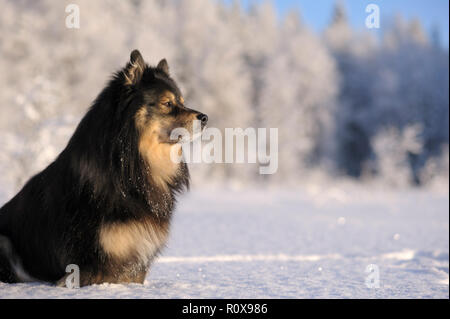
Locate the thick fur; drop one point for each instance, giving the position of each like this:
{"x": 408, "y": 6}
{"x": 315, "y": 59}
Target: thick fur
{"x": 102, "y": 204}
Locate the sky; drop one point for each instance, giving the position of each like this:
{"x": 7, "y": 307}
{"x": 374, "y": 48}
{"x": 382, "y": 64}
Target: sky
{"x": 317, "y": 13}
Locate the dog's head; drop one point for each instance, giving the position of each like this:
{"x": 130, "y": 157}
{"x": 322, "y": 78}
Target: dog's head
{"x": 162, "y": 108}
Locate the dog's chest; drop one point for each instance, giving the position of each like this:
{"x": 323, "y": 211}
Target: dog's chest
{"x": 141, "y": 239}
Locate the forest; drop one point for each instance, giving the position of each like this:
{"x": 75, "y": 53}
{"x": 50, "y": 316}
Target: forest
{"x": 347, "y": 103}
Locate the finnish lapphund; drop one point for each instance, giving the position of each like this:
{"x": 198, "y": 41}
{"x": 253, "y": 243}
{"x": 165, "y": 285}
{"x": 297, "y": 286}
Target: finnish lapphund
{"x": 105, "y": 203}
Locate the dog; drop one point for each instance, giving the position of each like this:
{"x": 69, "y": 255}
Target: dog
{"x": 106, "y": 202}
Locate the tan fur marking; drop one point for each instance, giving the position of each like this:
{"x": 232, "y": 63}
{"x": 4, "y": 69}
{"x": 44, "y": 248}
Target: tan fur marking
{"x": 141, "y": 238}
{"x": 141, "y": 118}
{"x": 156, "y": 154}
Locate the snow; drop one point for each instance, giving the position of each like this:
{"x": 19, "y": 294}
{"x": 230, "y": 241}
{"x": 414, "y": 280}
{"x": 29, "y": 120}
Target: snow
{"x": 272, "y": 243}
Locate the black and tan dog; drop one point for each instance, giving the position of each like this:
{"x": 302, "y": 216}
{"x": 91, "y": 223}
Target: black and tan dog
{"x": 105, "y": 203}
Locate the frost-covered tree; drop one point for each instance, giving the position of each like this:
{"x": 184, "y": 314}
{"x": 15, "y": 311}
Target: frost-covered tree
{"x": 354, "y": 53}
{"x": 298, "y": 98}
{"x": 411, "y": 87}
{"x": 259, "y": 33}
{"x": 393, "y": 148}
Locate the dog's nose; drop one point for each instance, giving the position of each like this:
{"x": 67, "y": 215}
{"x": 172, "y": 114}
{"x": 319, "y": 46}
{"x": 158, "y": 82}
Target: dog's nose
{"x": 203, "y": 118}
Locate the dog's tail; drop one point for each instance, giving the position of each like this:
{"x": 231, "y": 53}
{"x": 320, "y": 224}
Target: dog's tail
{"x": 11, "y": 268}
{"x": 7, "y": 273}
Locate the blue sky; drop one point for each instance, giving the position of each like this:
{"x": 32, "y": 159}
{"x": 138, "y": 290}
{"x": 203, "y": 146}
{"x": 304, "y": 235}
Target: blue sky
{"x": 317, "y": 13}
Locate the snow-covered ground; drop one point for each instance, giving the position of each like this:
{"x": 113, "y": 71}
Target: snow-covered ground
{"x": 292, "y": 244}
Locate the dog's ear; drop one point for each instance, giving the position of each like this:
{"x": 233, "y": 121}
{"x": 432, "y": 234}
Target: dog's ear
{"x": 163, "y": 66}
{"x": 135, "y": 68}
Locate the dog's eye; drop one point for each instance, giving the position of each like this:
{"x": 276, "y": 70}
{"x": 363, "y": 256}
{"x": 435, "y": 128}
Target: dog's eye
{"x": 168, "y": 104}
